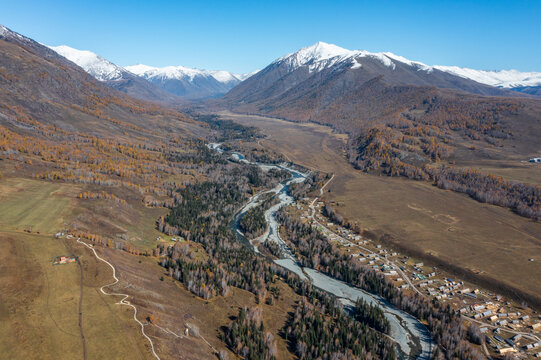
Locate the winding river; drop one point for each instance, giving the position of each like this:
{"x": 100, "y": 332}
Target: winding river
{"x": 411, "y": 336}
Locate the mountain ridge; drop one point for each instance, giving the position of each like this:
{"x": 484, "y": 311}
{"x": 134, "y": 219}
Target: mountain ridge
{"x": 167, "y": 84}
{"x": 322, "y": 55}
{"x": 41, "y": 87}
{"x": 115, "y": 76}
{"x": 187, "y": 82}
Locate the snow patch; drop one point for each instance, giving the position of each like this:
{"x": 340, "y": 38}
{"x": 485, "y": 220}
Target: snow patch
{"x": 417, "y": 64}
{"x": 355, "y": 64}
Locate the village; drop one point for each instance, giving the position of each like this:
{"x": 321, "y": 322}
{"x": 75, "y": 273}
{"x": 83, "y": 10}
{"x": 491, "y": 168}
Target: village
{"x": 507, "y": 326}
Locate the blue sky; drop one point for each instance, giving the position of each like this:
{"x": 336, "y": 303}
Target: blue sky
{"x": 242, "y": 36}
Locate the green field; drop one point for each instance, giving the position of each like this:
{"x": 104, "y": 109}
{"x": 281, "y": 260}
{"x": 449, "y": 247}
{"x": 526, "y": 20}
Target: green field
{"x": 48, "y": 207}
{"x": 39, "y": 205}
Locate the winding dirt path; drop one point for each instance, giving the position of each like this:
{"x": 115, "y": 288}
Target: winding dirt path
{"x": 123, "y": 301}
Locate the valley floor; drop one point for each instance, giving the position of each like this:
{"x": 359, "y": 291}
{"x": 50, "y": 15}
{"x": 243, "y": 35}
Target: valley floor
{"x": 481, "y": 243}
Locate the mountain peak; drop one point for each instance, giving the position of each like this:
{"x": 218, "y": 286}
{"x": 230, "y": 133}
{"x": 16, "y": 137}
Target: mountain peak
{"x": 7, "y": 33}
{"x": 4, "y": 30}
{"x": 317, "y": 56}
{"x": 95, "y": 65}
{"x": 322, "y": 50}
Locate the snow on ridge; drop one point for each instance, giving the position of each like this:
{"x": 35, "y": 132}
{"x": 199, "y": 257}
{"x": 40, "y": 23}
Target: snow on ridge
{"x": 322, "y": 55}
{"x": 500, "y": 78}
{"x": 4, "y": 31}
{"x": 402, "y": 59}
{"x": 95, "y": 65}
{"x": 181, "y": 72}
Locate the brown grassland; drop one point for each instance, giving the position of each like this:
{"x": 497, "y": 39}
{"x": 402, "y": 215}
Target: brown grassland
{"x": 485, "y": 244}
{"x": 175, "y": 308}
{"x": 40, "y": 302}
{"x": 39, "y": 306}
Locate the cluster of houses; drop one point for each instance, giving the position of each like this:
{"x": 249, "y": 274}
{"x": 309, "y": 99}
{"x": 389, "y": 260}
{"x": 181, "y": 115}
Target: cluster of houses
{"x": 445, "y": 290}
{"x": 511, "y": 344}
{"x": 535, "y": 160}
{"x": 503, "y": 321}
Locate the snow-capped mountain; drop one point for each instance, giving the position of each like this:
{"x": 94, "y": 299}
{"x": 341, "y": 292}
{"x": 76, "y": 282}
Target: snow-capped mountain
{"x": 114, "y": 75}
{"x": 325, "y": 81}
{"x": 95, "y": 65}
{"x": 322, "y": 55}
{"x": 188, "y": 82}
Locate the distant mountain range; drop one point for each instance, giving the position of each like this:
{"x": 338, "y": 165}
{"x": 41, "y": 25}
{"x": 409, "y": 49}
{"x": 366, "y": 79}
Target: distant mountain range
{"x": 166, "y": 84}
{"x": 38, "y": 86}
{"x": 187, "y": 82}
{"x": 172, "y": 83}
{"x": 116, "y": 76}
{"x": 328, "y": 70}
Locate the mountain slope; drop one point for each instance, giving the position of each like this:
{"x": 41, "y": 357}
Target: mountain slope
{"x": 115, "y": 76}
{"x": 532, "y": 90}
{"x": 39, "y": 85}
{"x": 329, "y": 84}
{"x": 309, "y": 67}
{"x": 187, "y": 82}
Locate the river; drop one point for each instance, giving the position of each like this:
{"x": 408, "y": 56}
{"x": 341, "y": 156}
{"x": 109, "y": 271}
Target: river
{"x": 411, "y": 336}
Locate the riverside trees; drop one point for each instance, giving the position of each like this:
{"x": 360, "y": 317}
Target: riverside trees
{"x": 314, "y": 250}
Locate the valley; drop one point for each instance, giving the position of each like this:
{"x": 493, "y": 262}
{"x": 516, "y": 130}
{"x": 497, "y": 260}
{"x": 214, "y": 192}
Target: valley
{"x": 422, "y": 220}
{"x": 335, "y": 205}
